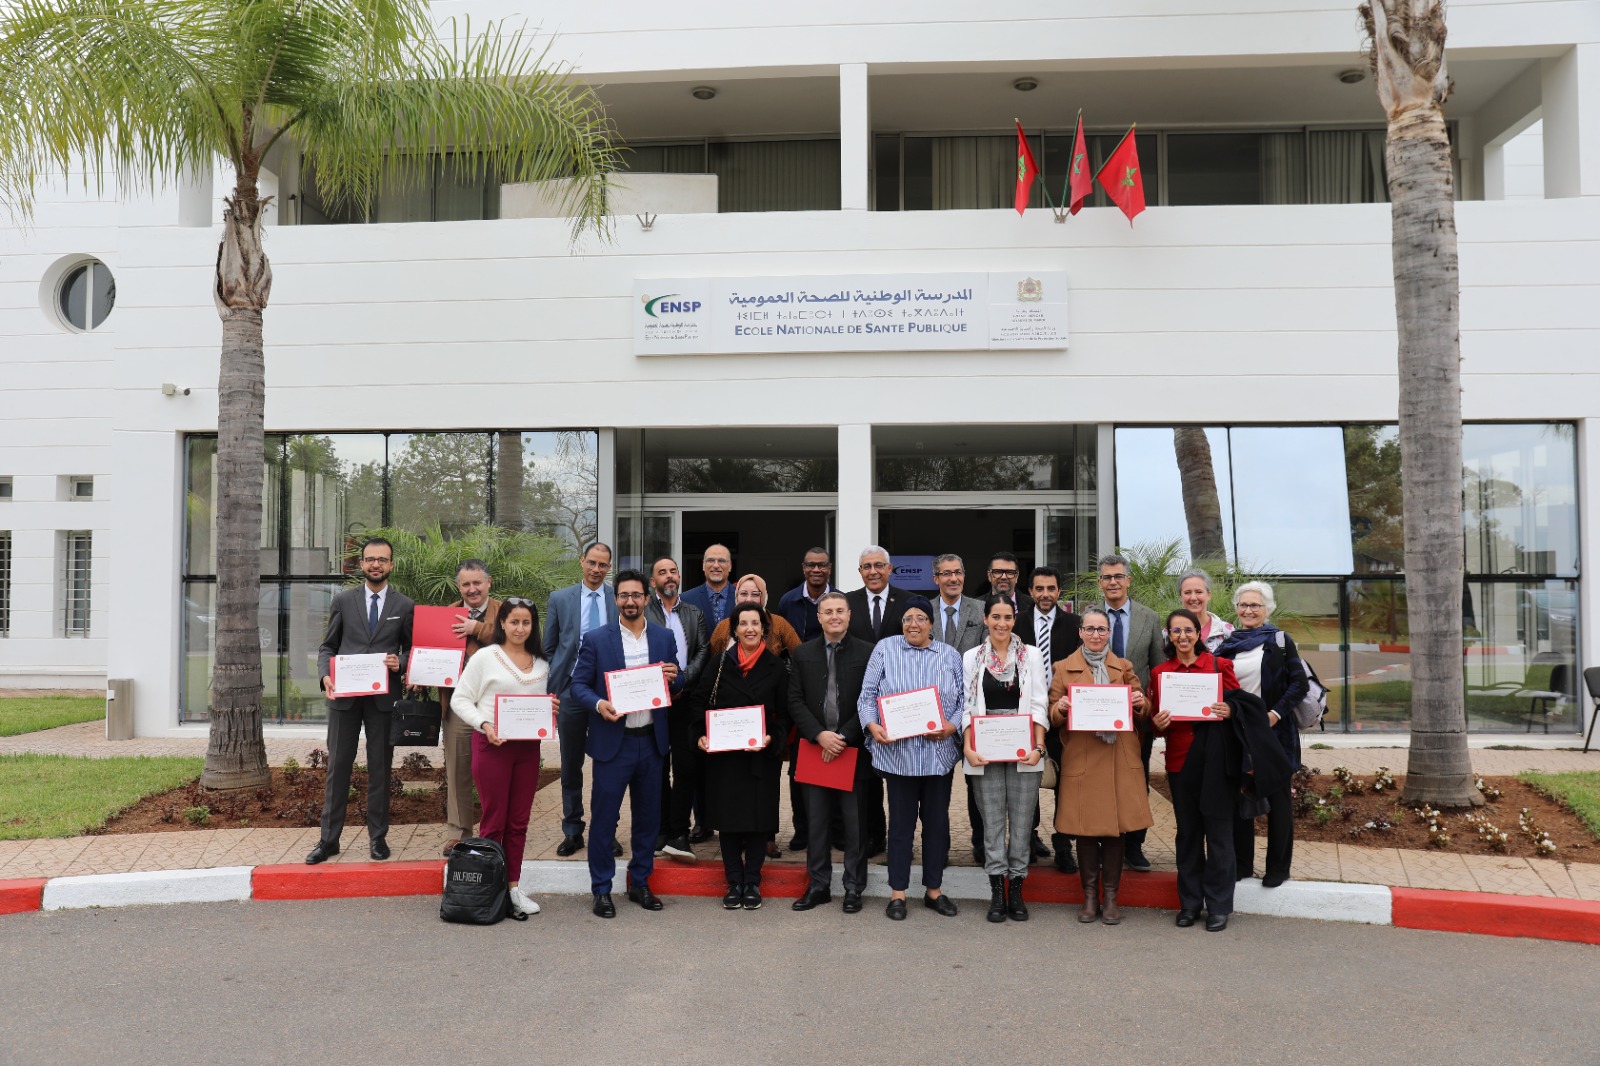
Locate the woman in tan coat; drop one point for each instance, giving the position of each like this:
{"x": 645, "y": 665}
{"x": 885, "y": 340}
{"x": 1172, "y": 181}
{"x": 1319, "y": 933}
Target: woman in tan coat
{"x": 1102, "y": 785}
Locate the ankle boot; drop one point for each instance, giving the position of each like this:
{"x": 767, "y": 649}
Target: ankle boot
{"x": 1111, "y": 874}
{"x": 997, "y": 898}
{"x": 1063, "y": 848}
{"x": 1089, "y": 877}
{"x": 1016, "y": 910}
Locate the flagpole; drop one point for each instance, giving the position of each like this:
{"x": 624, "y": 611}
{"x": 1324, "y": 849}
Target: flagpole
{"x": 1066, "y": 186}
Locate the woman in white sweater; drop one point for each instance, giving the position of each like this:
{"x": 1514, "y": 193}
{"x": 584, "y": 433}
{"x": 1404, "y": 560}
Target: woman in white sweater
{"x": 505, "y": 771}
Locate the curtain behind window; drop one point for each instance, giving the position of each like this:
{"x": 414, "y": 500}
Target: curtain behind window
{"x": 973, "y": 172}
{"x": 776, "y": 175}
{"x": 1347, "y": 167}
{"x": 1283, "y": 168}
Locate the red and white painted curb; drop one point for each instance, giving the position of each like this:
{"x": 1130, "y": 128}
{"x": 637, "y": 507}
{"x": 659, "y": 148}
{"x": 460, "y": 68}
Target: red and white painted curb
{"x": 1457, "y": 912}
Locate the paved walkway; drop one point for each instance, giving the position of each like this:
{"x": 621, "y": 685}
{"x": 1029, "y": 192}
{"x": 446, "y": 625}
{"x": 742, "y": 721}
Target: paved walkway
{"x": 118, "y": 853}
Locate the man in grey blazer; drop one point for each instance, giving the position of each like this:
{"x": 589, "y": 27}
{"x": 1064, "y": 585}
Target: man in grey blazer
{"x": 571, "y": 613}
{"x": 959, "y": 620}
{"x": 371, "y": 620}
{"x": 1135, "y": 636}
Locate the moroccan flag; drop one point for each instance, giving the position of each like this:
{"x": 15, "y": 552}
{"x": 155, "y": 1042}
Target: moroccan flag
{"x": 1027, "y": 170}
{"x": 1080, "y": 183}
{"x": 1122, "y": 179}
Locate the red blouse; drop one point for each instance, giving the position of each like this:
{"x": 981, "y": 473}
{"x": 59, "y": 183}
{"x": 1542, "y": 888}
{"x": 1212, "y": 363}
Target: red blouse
{"x": 1180, "y": 735}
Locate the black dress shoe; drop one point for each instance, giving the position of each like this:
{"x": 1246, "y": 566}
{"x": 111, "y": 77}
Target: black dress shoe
{"x": 1038, "y": 848}
{"x": 1133, "y": 858}
{"x": 943, "y": 904}
{"x": 1216, "y": 923}
{"x": 603, "y": 907}
{"x": 616, "y": 849}
{"x": 796, "y": 843}
{"x": 734, "y": 899}
{"x": 380, "y": 849}
{"x": 813, "y": 897}
{"x": 645, "y": 898}
{"x": 570, "y": 845}
{"x": 752, "y": 897}
{"x": 852, "y": 902}
{"x": 896, "y": 910}
{"x": 1187, "y": 918}
{"x": 1273, "y": 880}
{"x": 322, "y": 852}
{"x": 700, "y": 834}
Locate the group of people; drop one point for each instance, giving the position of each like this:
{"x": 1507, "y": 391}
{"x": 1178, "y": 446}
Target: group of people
{"x": 819, "y": 665}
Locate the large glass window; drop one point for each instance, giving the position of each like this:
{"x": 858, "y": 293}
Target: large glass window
{"x": 1522, "y": 655}
{"x": 447, "y": 189}
{"x": 1521, "y": 500}
{"x": 333, "y": 492}
{"x": 729, "y": 460}
{"x": 985, "y": 458}
{"x": 438, "y": 479}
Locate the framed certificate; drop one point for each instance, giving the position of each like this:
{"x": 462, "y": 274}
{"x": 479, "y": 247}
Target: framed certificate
{"x": 1188, "y": 697}
{"x": 736, "y": 729}
{"x": 1100, "y": 709}
{"x": 1002, "y": 737}
{"x": 911, "y": 714}
{"x": 358, "y": 675}
{"x": 530, "y": 717}
{"x": 434, "y": 666}
{"x": 638, "y": 688}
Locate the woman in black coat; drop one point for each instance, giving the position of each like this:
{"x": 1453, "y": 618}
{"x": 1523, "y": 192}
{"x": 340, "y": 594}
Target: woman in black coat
{"x": 742, "y": 786}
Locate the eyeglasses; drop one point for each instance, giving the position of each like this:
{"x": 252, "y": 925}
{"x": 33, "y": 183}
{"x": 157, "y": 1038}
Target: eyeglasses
{"x": 1250, "y": 607}
{"x": 630, "y": 595}
{"x": 517, "y": 601}
{"x": 1093, "y": 629}
{"x": 374, "y": 559}
{"x": 997, "y": 572}
{"x": 949, "y": 573}
{"x": 816, "y": 566}
{"x": 1113, "y": 578}
{"x": 1185, "y": 632}
{"x": 874, "y": 566}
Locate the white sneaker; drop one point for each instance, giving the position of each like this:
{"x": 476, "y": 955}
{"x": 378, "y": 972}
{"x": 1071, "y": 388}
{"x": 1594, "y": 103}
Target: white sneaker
{"x": 521, "y": 902}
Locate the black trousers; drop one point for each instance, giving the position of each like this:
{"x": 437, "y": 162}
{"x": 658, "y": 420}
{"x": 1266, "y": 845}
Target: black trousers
{"x": 874, "y": 825}
{"x": 1205, "y": 848}
{"x": 742, "y": 856}
{"x": 344, "y": 735}
{"x": 572, "y": 726}
{"x": 924, "y": 798}
{"x": 1147, "y": 740}
{"x": 682, "y": 789}
{"x": 823, "y": 807}
{"x": 1280, "y": 838}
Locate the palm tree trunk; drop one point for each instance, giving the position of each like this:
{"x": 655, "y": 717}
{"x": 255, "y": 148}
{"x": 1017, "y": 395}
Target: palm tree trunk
{"x": 1408, "y": 54}
{"x": 508, "y": 506}
{"x": 236, "y": 756}
{"x": 1201, "y": 506}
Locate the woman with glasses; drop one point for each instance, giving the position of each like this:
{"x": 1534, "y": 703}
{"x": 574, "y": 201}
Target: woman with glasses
{"x": 1194, "y": 590}
{"x": 915, "y": 769}
{"x": 505, "y": 771}
{"x": 1204, "y": 761}
{"x": 1102, "y": 788}
{"x": 742, "y": 786}
{"x": 1267, "y": 664}
{"x": 781, "y": 636}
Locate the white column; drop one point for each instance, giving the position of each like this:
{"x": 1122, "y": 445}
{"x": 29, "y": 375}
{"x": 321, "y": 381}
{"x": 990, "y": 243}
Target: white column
{"x": 1105, "y": 502}
{"x": 1571, "y": 97}
{"x": 1588, "y": 548}
{"x": 606, "y": 485}
{"x": 855, "y": 139}
{"x": 855, "y": 526}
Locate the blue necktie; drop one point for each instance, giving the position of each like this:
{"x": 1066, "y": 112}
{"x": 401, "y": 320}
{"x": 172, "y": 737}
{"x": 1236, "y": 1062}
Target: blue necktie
{"x": 1117, "y": 643}
{"x": 593, "y": 620}
{"x": 716, "y": 606}
{"x": 372, "y": 617}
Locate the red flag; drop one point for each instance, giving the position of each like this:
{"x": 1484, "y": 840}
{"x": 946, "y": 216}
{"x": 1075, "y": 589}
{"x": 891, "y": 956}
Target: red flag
{"x": 1121, "y": 177}
{"x": 1080, "y": 182}
{"x": 1027, "y": 170}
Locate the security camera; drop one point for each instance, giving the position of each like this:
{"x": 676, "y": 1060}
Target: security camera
{"x": 169, "y": 389}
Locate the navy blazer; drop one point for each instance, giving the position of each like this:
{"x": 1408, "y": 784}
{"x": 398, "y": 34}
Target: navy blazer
{"x": 563, "y": 626}
{"x": 601, "y": 653}
{"x": 700, "y": 597}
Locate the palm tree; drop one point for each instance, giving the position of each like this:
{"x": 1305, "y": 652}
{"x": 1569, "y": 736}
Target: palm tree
{"x": 1201, "y": 507}
{"x": 1407, "y": 56}
{"x": 148, "y": 90}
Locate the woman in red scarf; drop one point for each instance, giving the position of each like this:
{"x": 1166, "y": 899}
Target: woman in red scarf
{"x": 742, "y": 786}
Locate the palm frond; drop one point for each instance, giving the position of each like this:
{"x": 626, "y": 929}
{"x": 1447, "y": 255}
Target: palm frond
{"x": 521, "y": 564}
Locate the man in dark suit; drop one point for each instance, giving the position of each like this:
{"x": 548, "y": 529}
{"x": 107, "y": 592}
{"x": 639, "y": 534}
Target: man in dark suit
{"x": 680, "y": 780}
{"x": 476, "y": 623}
{"x": 1004, "y": 573}
{"x": 958, "y": 619}
{"x": 875, "y": 613}
{"x": 798, "y": 606}
{"x": 715, "y": 598}
{"x": 627, "y": 750}
{"x": 824, "y": 686}
{"x": 371, "y": 620}
{"x": 571, "y": 613}
{"x": 1055, "y": 633}
{"x": 1135, "y": 636}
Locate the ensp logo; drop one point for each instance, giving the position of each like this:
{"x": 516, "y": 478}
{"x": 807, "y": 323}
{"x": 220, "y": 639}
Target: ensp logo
{"x": 670, "y": 304}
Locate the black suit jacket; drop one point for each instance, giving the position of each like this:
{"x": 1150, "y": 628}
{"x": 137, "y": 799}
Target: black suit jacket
{"x": 1064, "y": 638}
{"x": 894, "y": 608}
{"x": 695, "y": 636}
{"x": 347, "y": 635}
{"x": 808, "y": 683}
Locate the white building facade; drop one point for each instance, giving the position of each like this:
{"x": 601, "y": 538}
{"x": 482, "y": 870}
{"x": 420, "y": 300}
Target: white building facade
{"x": 448, "y": 358}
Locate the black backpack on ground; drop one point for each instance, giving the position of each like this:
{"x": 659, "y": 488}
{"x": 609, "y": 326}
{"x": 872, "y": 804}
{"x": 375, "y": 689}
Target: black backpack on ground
{"x": 476, "y": 889}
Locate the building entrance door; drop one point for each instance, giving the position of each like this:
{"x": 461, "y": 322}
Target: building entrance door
{"x": 914, "y": 536}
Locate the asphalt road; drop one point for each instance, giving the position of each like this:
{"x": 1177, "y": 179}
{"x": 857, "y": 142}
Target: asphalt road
{"x": 384, "y": 981}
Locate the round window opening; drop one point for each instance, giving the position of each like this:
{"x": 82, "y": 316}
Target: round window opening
{"x": 86, "y": 296}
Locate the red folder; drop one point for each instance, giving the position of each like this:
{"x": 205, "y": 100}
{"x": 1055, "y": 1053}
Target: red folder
{"x": 809, "y": 769}
{"x": 430, "y": 627}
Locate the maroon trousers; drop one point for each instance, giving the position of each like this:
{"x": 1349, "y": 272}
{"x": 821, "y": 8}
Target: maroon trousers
{"x": 507, "y": 777}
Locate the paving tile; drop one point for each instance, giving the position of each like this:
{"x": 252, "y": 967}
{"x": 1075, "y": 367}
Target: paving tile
{"x": 1316, "y": 861}
{"x": 1556, "y": 877}
{"x": 1586, "y": 876}
{"x": 47, "y": 858}
{"x": 222, "y": 841}
{"x": 175, "y": 851}
{"x": 1507, "y": 875}
{"x": 1440, "y": 870}
{"x": 1373, "y": 866}
{"x": 265, "y": 847}
{"x": 114, "y": 854}
{"x": 10, "y": 849}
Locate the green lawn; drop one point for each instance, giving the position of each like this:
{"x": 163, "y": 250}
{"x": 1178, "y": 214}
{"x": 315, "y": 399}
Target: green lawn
{"x": 63, "y": 796}
{"x": 1578, "y": 789}
{"x": 28, "y": 714}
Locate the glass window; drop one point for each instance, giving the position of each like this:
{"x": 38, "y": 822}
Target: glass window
{"x": 335, "y": 492}
{"x": 886, "y": 172}
{"x": 776, "y": 175}
{"x": 199, "y": 647}
{"x": 1378, "y": 673}
{"x": 438, "y": 479}
{"x": 1372, "y": 471}
{"x": 642, "y": 538}
{"x": 5, "y": 582}
{"x": 1522, "y": 656}
{"x": 1150, "y": 487}
{"x": 666, "y": 158}
{"x": 1521, "y": 499}
{"x": 549, "y": 483}
{"x": 77, "y": 582}
{"x": 1236, "y": 168}
{"x": 1309, "y": 612}
{"x": 86, "y": 296}
{"x": 306, "y": 606}
{"x": 739, "y": 460}
{"x": 1290, "y": 499}
{"x": 984, "y": 458}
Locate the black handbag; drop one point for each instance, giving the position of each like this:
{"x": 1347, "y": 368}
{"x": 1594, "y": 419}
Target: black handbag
{"x": 414, "y": 724}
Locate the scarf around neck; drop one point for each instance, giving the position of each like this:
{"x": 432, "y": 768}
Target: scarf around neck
{"x": 747, "y": 662}
{"x": 1244, "y": 640}
{"x": 1102, "y": 676}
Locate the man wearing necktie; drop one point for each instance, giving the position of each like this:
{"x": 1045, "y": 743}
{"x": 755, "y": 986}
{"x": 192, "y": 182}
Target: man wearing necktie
{"x": 372, "y": 619}
{"x": 572, "y": 612}
{"x": 960, "y": 623}
{"x": 475, "y": 622}
{"x": 875, "y": 613}
{"x": 715, "y": 598}
{"x": 1055, "y": 633}
{"x": 1135, "y": 636}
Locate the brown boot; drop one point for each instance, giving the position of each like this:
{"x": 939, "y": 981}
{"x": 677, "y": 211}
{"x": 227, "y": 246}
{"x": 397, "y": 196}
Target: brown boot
{"x": 1111, "y": 875}
{"x": 1089, "y": 877}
